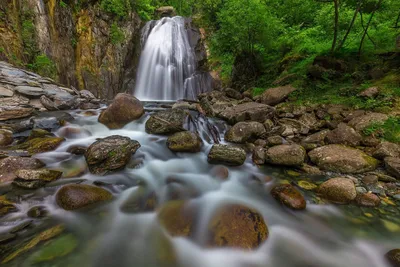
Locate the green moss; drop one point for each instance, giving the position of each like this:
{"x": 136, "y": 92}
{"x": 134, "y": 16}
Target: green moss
{"x": 117, "y": 36}
{"x": 388, "y": 130}
{"x": 57, "y": 248}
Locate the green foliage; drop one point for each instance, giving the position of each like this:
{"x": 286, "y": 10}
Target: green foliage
{"x": 144, "y": 8}
{"x": 117, "y": 36}
{"x": 388, "y": 130}
{"x": 63, "y": 4}
{"x": 118, "y": 8}
{"x": 44, "y": 66}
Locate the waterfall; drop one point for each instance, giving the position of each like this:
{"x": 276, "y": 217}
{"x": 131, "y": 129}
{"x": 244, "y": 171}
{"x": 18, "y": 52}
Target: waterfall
{"x": 167, "y": 68}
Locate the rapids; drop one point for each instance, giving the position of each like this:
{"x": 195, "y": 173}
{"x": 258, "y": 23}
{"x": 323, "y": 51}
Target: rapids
{"x": 322, "y": 235}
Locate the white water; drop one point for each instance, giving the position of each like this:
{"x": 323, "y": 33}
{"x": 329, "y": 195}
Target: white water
{"x": 167, "y": 69}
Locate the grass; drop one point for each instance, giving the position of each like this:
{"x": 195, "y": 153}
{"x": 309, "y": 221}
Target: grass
{"x": 388, "y": 130}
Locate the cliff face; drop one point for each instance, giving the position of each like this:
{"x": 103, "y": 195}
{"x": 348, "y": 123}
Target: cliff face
{"x": 77, "y": 44}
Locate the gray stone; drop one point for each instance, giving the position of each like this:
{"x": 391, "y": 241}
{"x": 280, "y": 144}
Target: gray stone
{"x": 30, "y": 91}
{"x": 243, "y": 132}
{"x": 226, "y": 155}
{"x": 286, "y": 155}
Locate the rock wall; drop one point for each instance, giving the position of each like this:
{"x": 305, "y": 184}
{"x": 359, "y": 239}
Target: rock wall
{"x": 78, "y": 38}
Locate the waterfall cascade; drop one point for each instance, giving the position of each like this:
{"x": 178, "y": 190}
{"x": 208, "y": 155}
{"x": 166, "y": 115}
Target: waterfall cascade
{"x": 167, "y": 69}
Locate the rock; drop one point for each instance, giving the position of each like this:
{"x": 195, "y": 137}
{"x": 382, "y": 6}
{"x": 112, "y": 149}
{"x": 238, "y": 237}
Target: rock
{"x": 226, "y": 155}
{"x": 310, "y": 121}
{"x": 368, "y": 200}
{"x": 76, "y": 196}
{"x": 7, "y": 237}
{"x": 315, "y": 140}
{"x": 33, "y": 179}
{"x": 387, "y": 149}
{"x": 177, "y": 217}
{"x": 370, "y": 179}
{"x": 371, "y": 92}
{"x": 220, "y": 172}
{"x": 77, "y": 150}
{"x": 232, "y": 93}
{"x": 362, "y": 122}
{"x": 275, "y": 140}
{"x": 344, "y": 135}
{"x": 39, "y": 133}
{"x": 260, "y": 142}
{"x": 243, "y": 132}
{"x": 5, "y": 92}
{"x": 14, "y": 112}
{"x": 342, "y": 159}
{"x": 51, "y": 120}
{"x": 166, "y": 122}
{"x": 259, "y": 155}
{"x": 285, "y": 155}
{"x": 6, "y": 206}
{"x": 289, "y": 196}
{"x": 338, "y": 190}
{"x": 73, "y": 132}
{"x": 41, "y": 145}
{"x": 6, "y": 137}
{"x": 184, "y": 142}
{"x": 393, "y": 256}
{"x": 38, "y": 212}
{"x": 29, "y": 91}
{"x": 370, "y": 141}
{"x": 310, "y": 169}
{"x": 8, "y": 167}
{"x": 293, "y": 127}
{"x": 110, "y": 154}
{"x": 166, "y": 11}
{"x": 124, "y": 109}
{"x": 249, "y": 111}
{"x": 86, "y": 94}
{"x": 140, "y": 200}
{"x": 392, "y": 166}
{"x": 88, "y": 105}
{"x": 274, "y": 96}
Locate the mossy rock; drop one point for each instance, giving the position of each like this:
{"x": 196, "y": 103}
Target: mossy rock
{"x": 6, "y": 206}
{"x": 140, "y": 200}
{"x": 177, "y": 217}
{"x": 166, "y": 122}
{"x": 339, "y": 190}
{"x": 40, "y": 145}
{"x": 227, "y": 155}
{"x": 33, "y": 179}
{"x": 184, "y": 142}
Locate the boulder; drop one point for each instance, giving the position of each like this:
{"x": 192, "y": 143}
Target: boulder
{"x": 289, "y": 196}
{"x": 86, "y": 94}
{"x": 6, "y": 207}
{"x": 59, "y": 103}
{"x": 232, "y": 93}
{"x": 368, "y": 200}
{"x": 275, "y": 140}
{"x": 6, "y": 137}
{"x": 166, "y": 11}
{"x": 33, "y": 179}
{"x": 110, "y": 154}
{"x": 76, "y": 196}
{"x": 226, "y": 155}
{"x": 166, "y": 122}
{"x": 292, "y": 127}
{"x": 370, "y": 92}
{"x": 339, "y": 190}
{"x": 361, "y": 122}
{"x": 392, "y": 166}
{"x": 285, "y": 155}
{"x": 315, "y": 140}
{"x": 274, "y": 96}
{"x": 344, "y": 135}
{"x": 338, "y": 158}
{"x": 243, "y": 132}
{"x": 177, "y": 217}
{"x": 258, "y": 155}
{"x": 124, "y": 109}
{"x": 14, "y": 112}
{"x": 41, "y": 144}
{"x": 386, "y": 149}
{"x": 30, "y": 91}
{"x": 184, "y": 142}
{"x": 10, "y": 165}
{"x": 249, "y": 111}
{"x": 393, "y": 256}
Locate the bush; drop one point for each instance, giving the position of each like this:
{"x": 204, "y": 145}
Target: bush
{"x": 117, "y": 36}
{"x": 44, "y": 66}
{"x": 119, "y": 8}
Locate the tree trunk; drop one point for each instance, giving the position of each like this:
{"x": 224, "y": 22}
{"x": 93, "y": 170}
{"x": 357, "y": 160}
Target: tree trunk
{"x": 350, "y": 26}
{"x": 367, "y": 27}
{"x": 335, "y": 34}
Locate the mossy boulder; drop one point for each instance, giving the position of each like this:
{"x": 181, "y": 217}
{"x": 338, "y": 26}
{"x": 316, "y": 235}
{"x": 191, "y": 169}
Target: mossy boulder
{"x": 32, "y": 179}
{"x": 124, "y": 109}
{"x": 178, "y": 218}
{"x": 242, "y": 132}
{"x": 339, "y": 190}
{"x": 40, "y": 145}
{"x": 338, "y": 158}
{"x": 184, "y": 142}
{"x": 140, "y": 200}
{"x": 289, "y": 196}
{"x": 286, "y": 155}
{"x": 9, "y": 165}
{"x": 76, "y": 196}
{"x": 166, "y": 122}
{"x": 344, "y": 135}
{"x": 110, "y": 154}
{"x": 6, "y": 206}
{"x": 227, "y": 155}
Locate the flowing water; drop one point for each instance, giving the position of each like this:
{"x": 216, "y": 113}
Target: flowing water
{"x": 108, "y": 235}
{"x": 167, "y": 69}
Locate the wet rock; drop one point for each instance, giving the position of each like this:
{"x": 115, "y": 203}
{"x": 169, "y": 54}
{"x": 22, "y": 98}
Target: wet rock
{"x": 40, "y": 145}
{"x": 368, "y": 200}
{"x": 38, "y": 212}
{"x": 73, "y": 132}
{"x": 6, "y": 206}
{"x": 315, "y": 140}
{"x": 338, "y": 190}
{"x": 392, "y": 166}
{"x": 110, "y": 154}
{"x": 258, "y": 155}
{"x": 342, "y": 159}
{"x": 370, "y": 92}
{"x": 166, "y": 11}
{"x": 370, "y": 179}
{"x": 226, "y": 155}
{"x": 76, "y": 196}
{"x": 310, "y": 169}
{"x": 124, "y": 109}
{"x": 14, "y": 112}
{"x": 393, "y": 257}
{"x": 184, "y": 142}
{"x": 387, "y": 149}
{"x": 77, "y": 150}
{"x": 274, "y": 96}
{"x": 6, "y": 137}
{"x": 140, "y": 200}
{"x": 249, "y": 111}
{"x": 177, "y": 217}
{"x": 33, "y": 179}
{"x": 39, "y": 133}
{"x": 345, "y": 135}
{"x": 293, "y": 127}
{"x": 166, "y": 122}
{"x": 275, "y": 140}
{"x": 9, "y": 165}
{"x": 285, "y": 155}
{"x": 51, "y": 120}
{"x": 59, "y": 103}
{"x": 289, "y": 196}
{"x": 361, "y": 122}
{"x": 242, "y": 132}
{"x": 89, "y": 105}
{"x": 7, "y": 237}
{"x": 220, "y": 172}
{"x": 21, "y": 226}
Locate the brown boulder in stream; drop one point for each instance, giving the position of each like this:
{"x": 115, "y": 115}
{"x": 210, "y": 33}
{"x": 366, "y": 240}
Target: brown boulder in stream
{"x": 289, "y": 196}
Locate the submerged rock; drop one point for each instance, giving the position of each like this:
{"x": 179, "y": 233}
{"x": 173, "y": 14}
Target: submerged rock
{"x": 124, "y": 109}
{"x": 166, "y": 122}
{"x": 8, "y": 167}
{"x": 339, "y": 190}
{"x": 38, "y": 212}
{"x": 184, "y": 142}
{"x": 338, "y": 158}
{"x": 178, "y": 218}
{"x": 226, "y": 155}
{"x": 140, "y": 200}
{"x": 286, "y": 155}
{"x": 76, "y": 196}
{"x": 110, "y": 154}
{"x": 32, "y": 179}
{"x": 242, "y": 132}
{"x": 289, "y": 196}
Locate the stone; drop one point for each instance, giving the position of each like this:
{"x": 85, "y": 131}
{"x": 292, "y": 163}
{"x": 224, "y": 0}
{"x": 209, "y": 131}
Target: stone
{"x": 285, "y": 155}
{"x": 339, "y": 190}
{"x": 30, "y": 91}
{"x": 243, "y": 132}
{"x": 41, "y": 144}
{"x": 7, "y": 237}
{"x": 371, "y": 92}
{"x": 110, "y": 154}
{"x": 76, "y": 196}
{"x": 315, "y": 140}
{"x": 368, "y": 200}
{"x": 275, "y": 140}
{"x": 310, "y": 169}
{"x": 293, "y": 127}
{"x": 258, "y": 155}
{"x": 6, "y": 137}
{"x": 10, "y": 165}
{"x": 289, "y": 196}
{"x": 344, "y": 135}
{"x": 33, "y": 179}
{"x": 6, "y": 206}
{"x": 124, "y": 109}
{"x": 88, "y": 105}
{"x": 370, "y": 179}
{"x": 184, "y": 142}
{"x": 226, "y": 155}
{"x": 220, "y": 172}
{"x": 249, "y": 111}
{"x": 392, "y": 166}
{"x": 166, "y": 11}
{"x": 310, "y": 121}
{"x": 38, "y": 212}
{"x": 393, "y": 256}
{"x": 166, "y": 122}
{"x": 232, "y": 93}
{"x": 274, "y": 96}
{"x": 177, "y": 217}
{"x": 260, "y": 142}
{"x": 88, "y": 95}
{"x": 51, "y": 120}
{"x": 140, "y": 200}
{"x": 77, "y": 150}
{"x": 362, "y": 122}
{"x": 14, "y": 112}
{"x": 386, "y": 149}
{"x": 5, "y": 92}
{"x": 338, "y": 158}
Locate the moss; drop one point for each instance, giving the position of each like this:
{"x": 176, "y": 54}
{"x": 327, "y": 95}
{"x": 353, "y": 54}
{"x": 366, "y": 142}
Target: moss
{"x": 59, "y": 247}
{"x": 40, "y": 145}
